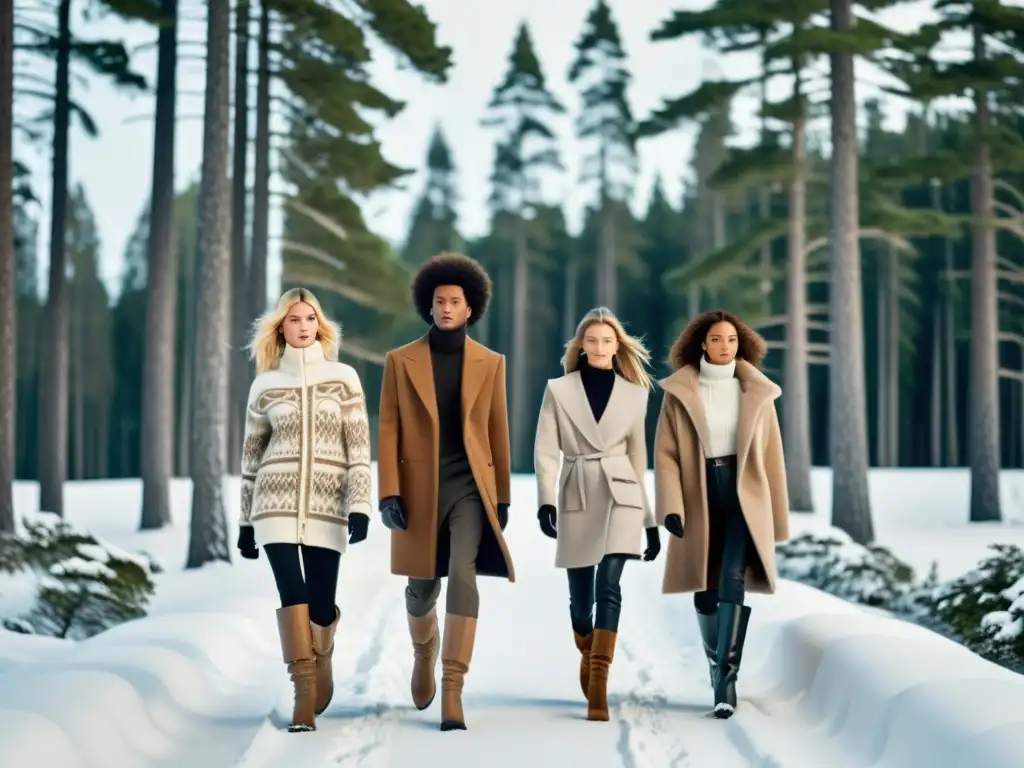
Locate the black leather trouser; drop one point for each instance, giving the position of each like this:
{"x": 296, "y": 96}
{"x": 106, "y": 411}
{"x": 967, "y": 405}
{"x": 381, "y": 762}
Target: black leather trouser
{"x": 731, "y": 536}
{"x": 596, "y": 585}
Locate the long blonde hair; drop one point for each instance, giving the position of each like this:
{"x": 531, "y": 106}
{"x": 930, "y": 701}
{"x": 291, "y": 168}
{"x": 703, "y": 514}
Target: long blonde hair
{"x": 268, "y": 342}
{"x": 631, "y": 358}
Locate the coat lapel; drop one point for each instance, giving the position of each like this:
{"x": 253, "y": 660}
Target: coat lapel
{"x": 421, "y": 373}
{"x": 573, "y": 399}
{"x": 620, "y": 412}
{"x": 683, "y": 386}
{"x": 756, "y": 390}
{"x": 474, "y": 372}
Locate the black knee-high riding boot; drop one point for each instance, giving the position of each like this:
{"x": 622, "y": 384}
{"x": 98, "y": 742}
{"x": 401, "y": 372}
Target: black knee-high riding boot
{"x": 732, "y": 633}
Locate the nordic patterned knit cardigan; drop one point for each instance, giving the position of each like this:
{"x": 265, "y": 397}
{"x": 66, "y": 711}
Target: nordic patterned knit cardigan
{"x": 306, "y": 455}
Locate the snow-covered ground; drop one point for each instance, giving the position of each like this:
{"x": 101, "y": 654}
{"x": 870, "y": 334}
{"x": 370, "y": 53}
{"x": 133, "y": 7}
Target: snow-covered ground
{"x": 200, "y": 682}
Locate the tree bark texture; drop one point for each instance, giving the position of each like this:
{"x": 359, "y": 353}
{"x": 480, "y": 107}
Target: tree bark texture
{"x": 208, "y": 534}
{"x": 158, "y": 374}
{"x": 851, "y": 502}
{"x": 796, "y": 404}
{"x": 261, "y": 175}
{"x": 53, "y": 380}
{"x": 240, "y": 377}
{"x": 8, "y": 360}
{"x": 983, "y": 419}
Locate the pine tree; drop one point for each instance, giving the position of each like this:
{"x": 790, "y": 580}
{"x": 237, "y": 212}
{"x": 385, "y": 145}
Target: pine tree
{"x": 519, "y": 107}
{"x": 606, "y": 121}
{"x": 433, "y": 227}
{"x": 8, "y": 375}
{"x": 990, "y": 76}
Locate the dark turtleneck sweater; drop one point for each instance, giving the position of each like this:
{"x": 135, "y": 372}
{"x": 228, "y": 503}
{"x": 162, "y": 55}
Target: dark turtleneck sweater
{"x": 597, "y": 383}
{"x": 446, "y": 353}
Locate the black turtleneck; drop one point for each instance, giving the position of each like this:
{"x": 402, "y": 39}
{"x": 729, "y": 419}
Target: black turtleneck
{"x": 446, "y": 348}
{"x": 598, "y": 383}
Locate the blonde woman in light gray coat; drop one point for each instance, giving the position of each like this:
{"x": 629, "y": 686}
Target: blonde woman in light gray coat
{"x": 590, "y": 459}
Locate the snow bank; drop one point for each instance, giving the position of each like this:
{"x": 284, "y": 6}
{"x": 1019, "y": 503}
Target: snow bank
{"x": 889, "y": 693}
{"x": 175, "y": 689}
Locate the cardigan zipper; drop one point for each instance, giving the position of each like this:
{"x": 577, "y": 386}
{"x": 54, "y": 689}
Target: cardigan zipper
{"x": 303, "y": 453}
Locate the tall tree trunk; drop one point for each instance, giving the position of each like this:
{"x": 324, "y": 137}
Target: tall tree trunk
{"x": 570, "y": 299}
{"x": 53, "y": 380}
{"x": 261, "y": 175}
{"x": 8, "y": 292}
{"x": 239, "y": 265}
{"x": 158, "y": 362}
{"x": 951, "y": 361}
{"x": 851, "y": 502}
{"x": 208, "y": 532}
{"x": 520, "y": 384}
{"x": 984, "y": 413}
{"x": 607, "y": 262}
{"x": 76, "y": 349}
{"x": 882, "y": 362}
{"x": 935, "y": 432}
{"x": 892, "y": 345}
{"x": 796, "y": 411}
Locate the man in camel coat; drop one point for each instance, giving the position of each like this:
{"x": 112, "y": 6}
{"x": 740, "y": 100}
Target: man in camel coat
{"x": 444, "y": 472}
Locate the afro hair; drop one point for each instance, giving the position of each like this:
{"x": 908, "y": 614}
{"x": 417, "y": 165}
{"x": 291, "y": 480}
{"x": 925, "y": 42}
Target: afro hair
{"x": 452, "y": 269}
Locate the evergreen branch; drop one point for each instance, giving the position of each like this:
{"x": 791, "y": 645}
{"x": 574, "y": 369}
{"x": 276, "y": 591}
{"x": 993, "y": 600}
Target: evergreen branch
{"x": 708, "y": 97}
{"x": 722, "y": 263}
{"x": 322, "y": 219}
{"x": 753, "y": 167}
{"x": 867, "y": 233}
{"x": 407, "y": 30}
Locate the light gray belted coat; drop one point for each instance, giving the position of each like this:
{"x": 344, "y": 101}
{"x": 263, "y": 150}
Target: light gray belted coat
{"x": 599, "y": 489}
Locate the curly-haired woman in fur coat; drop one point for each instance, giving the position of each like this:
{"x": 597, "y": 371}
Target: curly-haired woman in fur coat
{"x": 720, "y": 484}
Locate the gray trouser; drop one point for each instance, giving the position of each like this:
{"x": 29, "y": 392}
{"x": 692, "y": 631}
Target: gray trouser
{"x": 465, "y": 521}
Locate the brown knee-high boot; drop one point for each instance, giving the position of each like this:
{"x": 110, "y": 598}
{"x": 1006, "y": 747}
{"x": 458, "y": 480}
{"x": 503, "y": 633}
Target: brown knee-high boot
{"x": 602, "y": 651}
{"x": 323, "y": 650}
{"x": 584, "y": 643}
{"x": 456, "y": 653}
{"x": 425, "y": 642}
{"x": 297, "y": 649}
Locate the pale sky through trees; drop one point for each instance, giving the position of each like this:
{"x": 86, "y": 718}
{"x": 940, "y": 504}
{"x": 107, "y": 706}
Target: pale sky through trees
{"x": 116, "y": 167}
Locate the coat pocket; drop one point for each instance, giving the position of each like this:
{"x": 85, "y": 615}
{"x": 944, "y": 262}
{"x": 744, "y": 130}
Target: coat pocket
{"x": 626, "y": 491}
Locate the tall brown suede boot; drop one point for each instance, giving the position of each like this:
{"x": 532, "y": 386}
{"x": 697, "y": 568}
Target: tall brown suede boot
{"x": 602, "y": 651}
{"x": 323, "y": 651}
{"x": 425, "y": 642}
{"x": 456, "y": 652}
{"x": 297, "y": 649}
{"x": 583, "y": 643}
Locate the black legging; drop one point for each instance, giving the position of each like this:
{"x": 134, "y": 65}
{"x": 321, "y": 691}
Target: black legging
{"x": 734, "y": 541}
{"x": 320, "y": 586}
{"x": 587, "y": 589}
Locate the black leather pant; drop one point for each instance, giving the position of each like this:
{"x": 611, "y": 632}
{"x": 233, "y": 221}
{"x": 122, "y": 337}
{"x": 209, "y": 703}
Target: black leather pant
{"x": 319, "y": 588}
{"x": 729, "y": 535}
{"x": 596, "y": 585}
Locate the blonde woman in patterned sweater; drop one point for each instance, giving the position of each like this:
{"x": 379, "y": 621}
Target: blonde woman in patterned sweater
{"x": 305, "y": 484}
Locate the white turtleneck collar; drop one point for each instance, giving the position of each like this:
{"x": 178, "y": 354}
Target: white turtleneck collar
{"x": 717, "y": 372}
{"x": 293, "y": 358}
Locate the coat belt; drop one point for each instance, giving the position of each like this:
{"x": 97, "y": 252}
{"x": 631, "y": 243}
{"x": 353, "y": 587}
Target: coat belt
{"x": 576, "y": 473}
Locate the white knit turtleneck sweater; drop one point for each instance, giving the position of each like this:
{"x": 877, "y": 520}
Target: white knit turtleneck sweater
{"x": 720, "y": 392}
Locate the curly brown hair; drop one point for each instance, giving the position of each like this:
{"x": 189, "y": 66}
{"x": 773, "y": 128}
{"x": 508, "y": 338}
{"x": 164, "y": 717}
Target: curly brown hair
{"x": 452, "y": 269}
{"x": 687, "y": 349}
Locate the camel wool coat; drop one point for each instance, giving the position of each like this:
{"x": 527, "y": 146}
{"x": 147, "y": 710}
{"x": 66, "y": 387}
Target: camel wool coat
{"x": 680, "y": 479}
{"x": 407, "y": 455}
{"x": 598, "y": 486}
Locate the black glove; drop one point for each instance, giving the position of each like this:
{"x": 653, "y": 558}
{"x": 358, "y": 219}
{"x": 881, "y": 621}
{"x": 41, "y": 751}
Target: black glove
{"x": 358, "y": 525}
{"x": 247, "y": 542}
{"x": 546, "y": 516}
{"x": 653, "y": 544}
{"x": 674, "y": 525}
{"x": 503, "y": 515}
{"x": 392, "y": 513}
